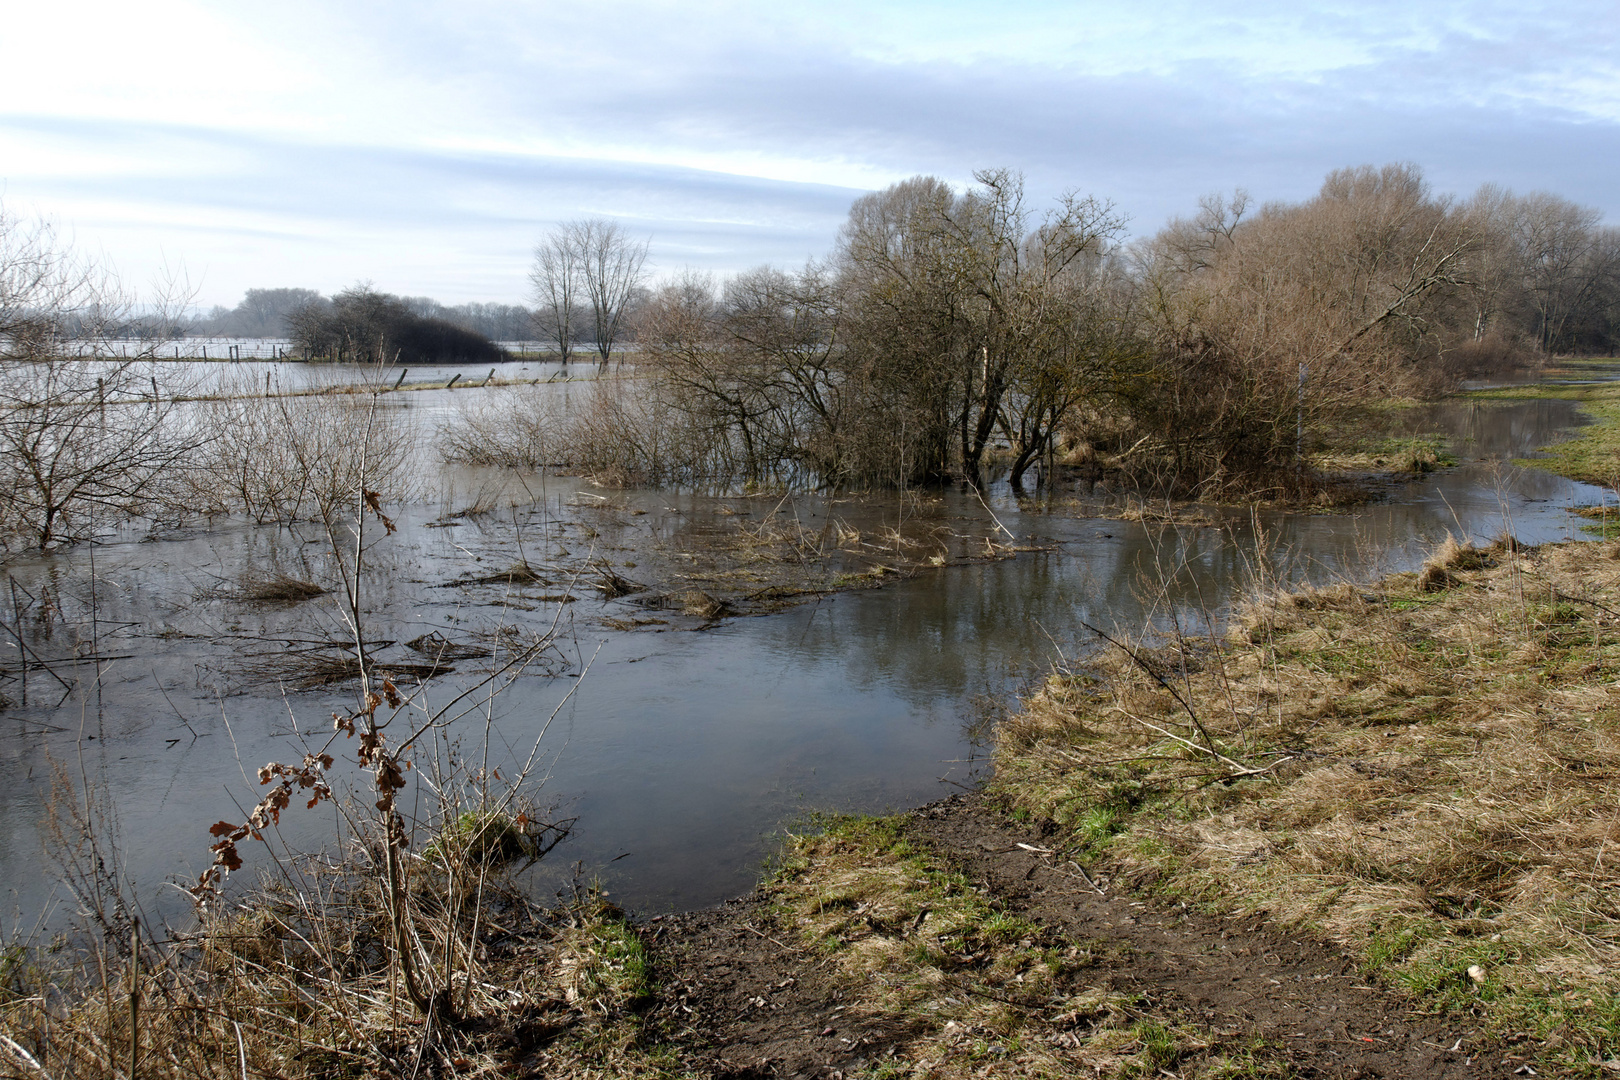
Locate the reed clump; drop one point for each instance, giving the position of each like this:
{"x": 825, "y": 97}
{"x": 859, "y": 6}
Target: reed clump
{"x": 278, "y": 588}
{"x": 1425, "y": 770}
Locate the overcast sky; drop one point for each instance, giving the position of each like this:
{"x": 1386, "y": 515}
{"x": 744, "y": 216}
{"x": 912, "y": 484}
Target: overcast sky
{"x": 426, "y": 145}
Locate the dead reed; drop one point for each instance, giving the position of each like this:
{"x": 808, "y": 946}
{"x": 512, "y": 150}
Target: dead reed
{"x": 268, "y": 587}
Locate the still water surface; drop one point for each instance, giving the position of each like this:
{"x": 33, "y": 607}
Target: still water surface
{"x": 681, "y": 751}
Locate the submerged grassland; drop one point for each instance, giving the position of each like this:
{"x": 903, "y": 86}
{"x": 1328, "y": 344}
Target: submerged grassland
{"x": 1425, "y": 771}
{"x": 1592, "y": 453}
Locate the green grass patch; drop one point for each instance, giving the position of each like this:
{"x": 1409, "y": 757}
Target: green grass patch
{"x": 1592, "y": 453}
{"x": 978, "y": 986}
{"x": 1396, "y": 454}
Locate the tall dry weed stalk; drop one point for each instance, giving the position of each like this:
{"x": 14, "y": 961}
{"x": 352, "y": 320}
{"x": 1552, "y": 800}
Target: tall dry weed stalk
{"x": 366, "y": 956}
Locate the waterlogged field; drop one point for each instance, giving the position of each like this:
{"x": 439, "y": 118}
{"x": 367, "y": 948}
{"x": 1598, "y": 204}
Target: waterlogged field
{"x": 709, "y": 669}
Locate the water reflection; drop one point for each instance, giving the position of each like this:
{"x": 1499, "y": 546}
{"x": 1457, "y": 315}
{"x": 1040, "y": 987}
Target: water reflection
{"x": 680, "y": 752}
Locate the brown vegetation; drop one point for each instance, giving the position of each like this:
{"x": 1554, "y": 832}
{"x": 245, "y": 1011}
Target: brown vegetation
{"x": 1422, "y": 770}
{"x": 295, "y": 458}
{"x": 951, "y": 330}
{"x": 372, "y": 954}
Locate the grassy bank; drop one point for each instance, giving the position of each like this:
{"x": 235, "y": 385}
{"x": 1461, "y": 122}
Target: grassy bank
{"x": 1424, "y": 771}
{"x": 1394, "y": 457}
{"x": 1592, "y": 453}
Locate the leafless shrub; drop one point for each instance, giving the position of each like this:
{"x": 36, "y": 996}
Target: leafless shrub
{"x": 623, "y": 431}
{"x": 298, "y": 458}
{"x": 516, "y": 427}
{"x": 87, "y": 427}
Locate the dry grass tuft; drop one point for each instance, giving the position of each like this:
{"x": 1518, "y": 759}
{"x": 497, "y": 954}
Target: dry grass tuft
{"x": 612, "y": 584}
{"x": 1453, "y": 555}
{"x": 272, "y": 588}
{"x": 299, "y": 985}
{"x": 519, "y": 573}
{"x": 1426, "y": 770}
{"x": 280, "y": 589}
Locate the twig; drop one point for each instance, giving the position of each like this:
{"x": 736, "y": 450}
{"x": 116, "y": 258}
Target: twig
{"x": 23, "y": 1056}
{"x": 1162, "y": 681}
{"x": 134, "y": 995}
{"x": 1239, "y": 767}
{"x": 768, "y": 938}
{"x": 1085, "y": 876}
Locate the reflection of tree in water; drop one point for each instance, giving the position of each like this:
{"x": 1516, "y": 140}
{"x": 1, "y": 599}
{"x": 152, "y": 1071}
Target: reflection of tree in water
{"x": 946, "y": 637}
{"x": 954, "y": 633}
{"x": 1479, "y": 429}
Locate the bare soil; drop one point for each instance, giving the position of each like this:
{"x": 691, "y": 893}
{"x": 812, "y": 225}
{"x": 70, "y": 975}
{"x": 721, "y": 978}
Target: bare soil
{"x": 739, "y": 996}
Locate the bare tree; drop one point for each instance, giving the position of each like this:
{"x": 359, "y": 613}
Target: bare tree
{"x": 1296, "y": 317}
{"x": 85, "y": 428}
{"x": 959, "y": 297}
{"x": 613, "y": 268}
{"x": 1562, "y": 271}
{"x": 558, "y": 280}
{"x": 588, "y": 262}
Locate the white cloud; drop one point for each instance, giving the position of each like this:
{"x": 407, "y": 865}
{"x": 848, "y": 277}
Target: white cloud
{"x": 426, "y": 141}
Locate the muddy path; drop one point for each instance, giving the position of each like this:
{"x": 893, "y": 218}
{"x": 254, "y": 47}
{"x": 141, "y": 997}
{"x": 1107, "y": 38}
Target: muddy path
{"x": 741, "y": 994}
{"x": 1303, "y": 998}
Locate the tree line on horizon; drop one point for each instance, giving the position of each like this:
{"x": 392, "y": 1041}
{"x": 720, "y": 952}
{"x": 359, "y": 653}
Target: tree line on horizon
{"x": 948, "y": 331}
{"x": 951, "y": 326}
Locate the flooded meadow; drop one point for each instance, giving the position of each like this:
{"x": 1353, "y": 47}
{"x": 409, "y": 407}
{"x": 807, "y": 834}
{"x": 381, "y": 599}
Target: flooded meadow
{"x": 697, "y": 670}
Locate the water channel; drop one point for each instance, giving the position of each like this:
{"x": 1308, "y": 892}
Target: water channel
{"x": 687, "y": 743}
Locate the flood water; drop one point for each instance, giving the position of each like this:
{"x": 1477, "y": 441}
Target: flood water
{"x": 686, "y": 744}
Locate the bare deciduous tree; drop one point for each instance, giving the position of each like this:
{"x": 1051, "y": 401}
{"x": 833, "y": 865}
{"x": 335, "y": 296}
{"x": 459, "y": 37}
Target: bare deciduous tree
{"x": 613, "y": 265}
{"x": 954, "y": 325}
{"x": 958, "y": 294}
{"x": 1293, "y": 318}
{"x": 557, "y": 281}
{"x": 1559, "y": 242}
{"x": 85, "y": 428}
{"x": 588, "y": 263}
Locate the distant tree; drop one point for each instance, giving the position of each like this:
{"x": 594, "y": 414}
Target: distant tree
{"x": 499, "y": 322}
{"x": 361, "y": 325}
{"x": 613, "y": 268}
{"x": 1565, "y": 262}
{"x": 558, "y": 283}
{"x": 589, "y": 263}
{"x": 264, "y": 312}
